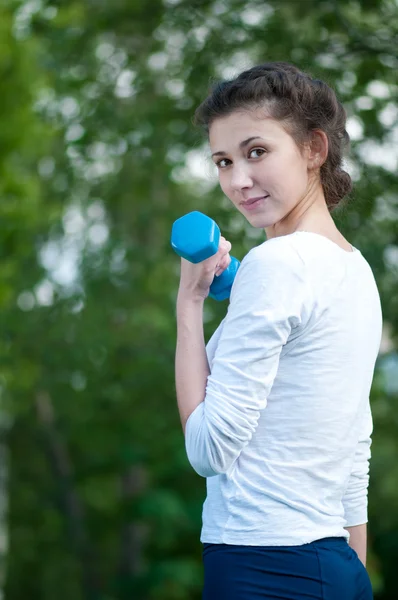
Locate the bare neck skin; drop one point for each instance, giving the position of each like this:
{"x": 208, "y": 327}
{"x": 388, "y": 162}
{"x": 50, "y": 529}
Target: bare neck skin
{"x": 310, "y": 214}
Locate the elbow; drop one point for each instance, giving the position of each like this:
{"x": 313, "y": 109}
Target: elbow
{"x": 211, "y": 450}
{"x": 210, "y": 466}
{"x": 204, "y": 470}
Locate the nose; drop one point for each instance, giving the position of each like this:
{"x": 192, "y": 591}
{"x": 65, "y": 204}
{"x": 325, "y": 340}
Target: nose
{"x": 240, "y": 177}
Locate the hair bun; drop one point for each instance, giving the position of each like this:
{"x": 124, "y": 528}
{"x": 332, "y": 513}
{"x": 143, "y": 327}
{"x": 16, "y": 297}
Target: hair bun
{"x": 337, "y": 184}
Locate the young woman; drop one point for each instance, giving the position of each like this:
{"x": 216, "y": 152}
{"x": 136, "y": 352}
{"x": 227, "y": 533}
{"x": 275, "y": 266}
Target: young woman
{"x": 275, "y": 409}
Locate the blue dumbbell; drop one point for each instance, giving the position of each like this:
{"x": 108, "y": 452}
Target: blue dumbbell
{"x": 196, "y": 237}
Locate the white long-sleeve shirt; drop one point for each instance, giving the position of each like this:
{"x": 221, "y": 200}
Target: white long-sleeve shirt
{"x": 284, "y": 432}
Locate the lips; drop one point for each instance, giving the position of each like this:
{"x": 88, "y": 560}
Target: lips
{"x": 251, "y": 201}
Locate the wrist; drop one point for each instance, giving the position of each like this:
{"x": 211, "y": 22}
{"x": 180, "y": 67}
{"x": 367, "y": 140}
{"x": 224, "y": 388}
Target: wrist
{"x": 186, "y": 296}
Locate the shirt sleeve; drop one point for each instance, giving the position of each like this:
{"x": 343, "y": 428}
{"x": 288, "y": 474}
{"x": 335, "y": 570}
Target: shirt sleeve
{"x": 355, "y": 499}
{"x": 269, "y": 302}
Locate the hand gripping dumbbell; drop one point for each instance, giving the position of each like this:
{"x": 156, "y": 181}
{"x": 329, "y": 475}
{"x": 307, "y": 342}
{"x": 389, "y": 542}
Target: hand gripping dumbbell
{"x": 196, "y": 237}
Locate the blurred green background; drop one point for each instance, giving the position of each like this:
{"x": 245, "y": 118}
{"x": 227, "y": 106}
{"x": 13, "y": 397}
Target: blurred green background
{"x": 98, "y": 157}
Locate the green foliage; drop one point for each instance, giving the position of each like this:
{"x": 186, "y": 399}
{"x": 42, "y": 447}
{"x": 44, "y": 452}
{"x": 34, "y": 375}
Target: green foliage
{"x": 96, "y": 104}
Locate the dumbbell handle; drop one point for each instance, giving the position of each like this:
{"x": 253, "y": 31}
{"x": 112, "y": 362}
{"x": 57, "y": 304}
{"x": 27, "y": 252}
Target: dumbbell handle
{"x": 196, "y": 237}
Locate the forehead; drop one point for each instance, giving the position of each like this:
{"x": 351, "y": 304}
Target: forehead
{"x": 239, "y": 125}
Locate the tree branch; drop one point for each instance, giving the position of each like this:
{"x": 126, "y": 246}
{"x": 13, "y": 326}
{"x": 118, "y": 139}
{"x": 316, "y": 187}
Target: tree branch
{"x": 70, "y": 502}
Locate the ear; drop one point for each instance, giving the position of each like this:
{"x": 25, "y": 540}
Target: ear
{"x": 318, "y": 149}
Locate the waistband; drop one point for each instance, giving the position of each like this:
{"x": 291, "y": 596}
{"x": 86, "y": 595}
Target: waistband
{"x": 322, "y": 542}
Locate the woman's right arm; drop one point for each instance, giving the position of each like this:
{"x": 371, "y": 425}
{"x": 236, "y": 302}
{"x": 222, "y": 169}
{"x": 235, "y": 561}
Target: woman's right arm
{"x": 358, "y": 540}
{"x": 355, "y": 500}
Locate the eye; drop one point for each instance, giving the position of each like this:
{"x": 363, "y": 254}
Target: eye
{"x": 260, "y": 152}
{"x": 220, "y": 164}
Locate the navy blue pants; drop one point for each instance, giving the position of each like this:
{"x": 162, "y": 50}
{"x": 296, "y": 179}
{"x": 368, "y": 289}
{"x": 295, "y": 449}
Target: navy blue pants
{"x": 326, "y": 569}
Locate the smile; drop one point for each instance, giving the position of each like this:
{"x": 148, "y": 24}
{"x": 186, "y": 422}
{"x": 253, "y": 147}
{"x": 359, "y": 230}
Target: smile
{"x": 253, "y": 203}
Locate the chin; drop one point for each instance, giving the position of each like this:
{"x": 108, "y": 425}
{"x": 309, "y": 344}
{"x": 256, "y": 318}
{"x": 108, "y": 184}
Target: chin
{"x": 259, "y": 221}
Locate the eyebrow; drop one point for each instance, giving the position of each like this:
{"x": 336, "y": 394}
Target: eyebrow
{"x": 241, "y": 145}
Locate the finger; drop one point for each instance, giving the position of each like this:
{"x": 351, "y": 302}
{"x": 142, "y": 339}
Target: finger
{"x": 223, "y": 260}
{"x": 224, "y": 247}
{"x": 223, "y": 265}
{"x": 223, "y": 240}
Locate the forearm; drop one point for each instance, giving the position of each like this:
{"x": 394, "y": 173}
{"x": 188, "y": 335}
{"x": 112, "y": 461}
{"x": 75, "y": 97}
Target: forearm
{"x": 358, "y": 540}
{"x": 191, "y": 364}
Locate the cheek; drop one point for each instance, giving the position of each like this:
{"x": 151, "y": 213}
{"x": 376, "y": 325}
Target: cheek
{"x": 285, "y": 180}
{"x": 223, "y": 181}
{"x": 288, "y": 172}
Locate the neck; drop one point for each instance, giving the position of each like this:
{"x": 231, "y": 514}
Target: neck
{"x": 310, "y": 214}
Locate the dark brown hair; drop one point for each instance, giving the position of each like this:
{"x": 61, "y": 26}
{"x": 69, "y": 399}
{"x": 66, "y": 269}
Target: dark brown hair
{"x": 296, "y": 99}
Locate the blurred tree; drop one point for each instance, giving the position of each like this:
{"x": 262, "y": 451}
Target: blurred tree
{"x": 98, "y": 157}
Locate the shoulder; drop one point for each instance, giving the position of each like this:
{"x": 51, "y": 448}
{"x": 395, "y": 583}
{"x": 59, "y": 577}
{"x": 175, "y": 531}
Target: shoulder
{"x": 275, "y": 267}
{"x": 281, "y": 253}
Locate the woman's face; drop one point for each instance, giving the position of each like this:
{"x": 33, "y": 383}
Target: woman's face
{"x": 257, "y": 158}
